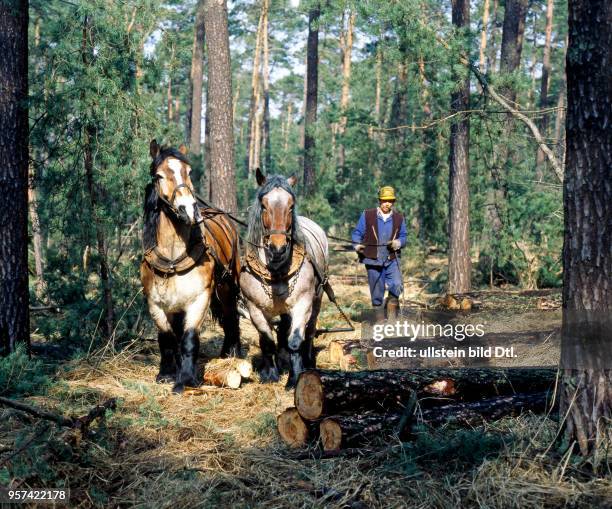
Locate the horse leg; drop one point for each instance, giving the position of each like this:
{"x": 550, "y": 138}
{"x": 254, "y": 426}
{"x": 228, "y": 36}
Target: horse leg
{"x": 269, "y": 371}
{"x": 282, "y": 336}
{"x": 230, "y": 321}
{"x": 299, "y": 346}
{"x": 167, "y": 344}
{"x": 190, "y": 343}
{"x": 311, "y": 330}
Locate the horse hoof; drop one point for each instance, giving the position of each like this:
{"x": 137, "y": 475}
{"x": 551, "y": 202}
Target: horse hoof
{"x": 291, "y": 383}
{"x": 269, "y": 375}
{"x": 164, "y": 378}
{"x": 178, "y": 388}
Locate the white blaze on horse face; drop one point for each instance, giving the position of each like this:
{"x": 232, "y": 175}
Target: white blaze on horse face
{"x": 183, "y": 196}
{"x": 278, "y": 205}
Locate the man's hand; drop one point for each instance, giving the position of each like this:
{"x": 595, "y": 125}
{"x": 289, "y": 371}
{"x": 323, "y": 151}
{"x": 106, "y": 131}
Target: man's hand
{"x": 394, "y": 244}
{"x": 359, "y": 248}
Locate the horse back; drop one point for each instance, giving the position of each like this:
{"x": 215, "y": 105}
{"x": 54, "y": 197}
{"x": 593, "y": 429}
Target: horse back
{"x": 221, "y": 238}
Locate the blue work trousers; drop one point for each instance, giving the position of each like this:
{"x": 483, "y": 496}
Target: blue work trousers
{"x": 384, "y": 277}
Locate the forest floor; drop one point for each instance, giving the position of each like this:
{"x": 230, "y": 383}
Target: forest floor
{"x": 220, "y": 447}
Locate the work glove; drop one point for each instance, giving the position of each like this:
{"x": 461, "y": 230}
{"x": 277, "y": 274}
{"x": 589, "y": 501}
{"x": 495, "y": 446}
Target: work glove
{"x": 360, "y": 248}
{"x": 394, "y": 244}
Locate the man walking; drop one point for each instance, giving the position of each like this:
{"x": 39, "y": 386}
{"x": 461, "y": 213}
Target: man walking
{"x": 378, "y": 238}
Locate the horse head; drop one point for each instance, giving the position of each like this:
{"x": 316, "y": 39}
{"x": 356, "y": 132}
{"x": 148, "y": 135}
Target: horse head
{"x": 170, "y": 171}
{"x": 274, "y": 219}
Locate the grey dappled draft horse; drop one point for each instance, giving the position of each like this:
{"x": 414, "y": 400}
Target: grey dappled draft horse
{"x": 276, "y": 234}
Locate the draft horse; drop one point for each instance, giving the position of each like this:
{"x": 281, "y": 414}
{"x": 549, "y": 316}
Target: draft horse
{"x": 283, "y": 274}
{"x": 190, "y": 263}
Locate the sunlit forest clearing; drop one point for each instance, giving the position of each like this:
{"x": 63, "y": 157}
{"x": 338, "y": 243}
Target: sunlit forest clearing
{"x": 122, "y": 122}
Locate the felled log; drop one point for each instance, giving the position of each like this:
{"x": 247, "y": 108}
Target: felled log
{"x": 243, "y": 366}
{"x": 222, "y": 373}
{"x": 294, "y": 431}
{"x": 342, "y": 431}
{"x": 338, "y": 348}
{"x": 322, "y": 392}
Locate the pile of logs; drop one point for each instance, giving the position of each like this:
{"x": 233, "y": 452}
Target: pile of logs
{"x": 349, "y": 409}
{"x": 227, "y": 372}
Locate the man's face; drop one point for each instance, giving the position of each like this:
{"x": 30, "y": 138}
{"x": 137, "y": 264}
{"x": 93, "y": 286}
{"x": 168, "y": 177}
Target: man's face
{"x": 385, "y": 206}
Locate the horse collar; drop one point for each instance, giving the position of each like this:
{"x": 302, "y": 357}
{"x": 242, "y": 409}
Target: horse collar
{"x": 259, "y": 269}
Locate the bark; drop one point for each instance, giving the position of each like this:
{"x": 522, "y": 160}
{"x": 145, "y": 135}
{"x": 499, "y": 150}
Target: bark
{"x": 559, "y": 127}
{"x": 221, "y": 167}
{"x": 545, "y": 75}
{"x": 512, "y": 38}
{"x": 14, "y": 296}
{"x": 197, "y": 60}
{"x": 459, "y": 263}
{"x": 320, "y": 393}
{"x": 41, "y": 285}
{"x": 346, "y": 45}
{"x": 169, "y": 101}
{"x": 483, "y": 36}
{"x": 587, "y": 201}
{"x": 379, "y": 62}
{"x": 205, "y": 181}
{"x": 89, "y": 135}
{"x": 266, "y": 147}
{"x": 226, "y": 377}
{"x": 342, "y": 431}
{"x": 251, "y": 164}
{"x": 492, "y": 57}
{"x": 310, "y": 116}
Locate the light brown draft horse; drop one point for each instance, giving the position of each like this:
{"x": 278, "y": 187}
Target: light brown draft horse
{"x": 191, "y": 262}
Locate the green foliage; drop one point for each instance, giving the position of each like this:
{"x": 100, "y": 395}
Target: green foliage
{"x": 21, "y": 376}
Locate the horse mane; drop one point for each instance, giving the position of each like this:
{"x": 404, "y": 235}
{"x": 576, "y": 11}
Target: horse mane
{"x": 151, "y": 199}
{"x": 151, "y": 217}
{"x": 255, "y": 229}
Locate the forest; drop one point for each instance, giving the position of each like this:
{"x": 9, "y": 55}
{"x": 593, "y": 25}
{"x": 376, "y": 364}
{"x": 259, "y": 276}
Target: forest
{"x": 463, "y": 107}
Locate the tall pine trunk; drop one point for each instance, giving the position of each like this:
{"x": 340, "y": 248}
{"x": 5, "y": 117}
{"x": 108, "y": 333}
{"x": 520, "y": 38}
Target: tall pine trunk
{"x": 265, "y": 135}
{"x": 14, "y": 296}
{"x": 312, "y": 83}
{"x": 221, "y": 162}
{"x": 346, "y": 45}
{"x": 483, "y": 36}
{"x": 250, "y": 162}
{"x": 586, "y": 396}
{"x": 459, "y": 263}
{"x": 540, "y": 157}
{"x": 197, "y": 61}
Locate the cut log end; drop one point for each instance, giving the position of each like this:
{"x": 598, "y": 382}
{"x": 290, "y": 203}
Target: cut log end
{"x": 331, "y": 435}
{"x": 292, "y": 429}
{"x": 309, "y": 395}
{"x": 227, "y": 378}
{"x": 245, "y": 368}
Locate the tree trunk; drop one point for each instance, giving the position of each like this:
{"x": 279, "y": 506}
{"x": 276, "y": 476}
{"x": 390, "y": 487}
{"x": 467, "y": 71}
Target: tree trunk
{"x": 346, "y": 45}
{"x": 36, "y": 234}
{"x": 492, "y": 57}
{"x": 342, "y": 431}
{"x": 221, "y": 168}
{"x": 512, "y": 38}
{"x": 294, "y": 431}
{"x": 483, "y": 36}
{"x": 251, "y": 163}
{"x": 89, "y": 135}
{"x": 197, "y": 60}
{"x": 559, "y": 126}
{"x": 205, "y": 180}
{"x": 14, "y": 296}
{"x": 459, "y": 263}
{"x": 265, "y": 135}
{"x": 587, "y": 202}
{"x": 545, "y": 76}
{"x": 312, "y": 81}
{"x": 319, "y": 393}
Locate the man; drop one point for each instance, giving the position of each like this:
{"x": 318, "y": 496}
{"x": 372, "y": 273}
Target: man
{"x": 378, "y": 238}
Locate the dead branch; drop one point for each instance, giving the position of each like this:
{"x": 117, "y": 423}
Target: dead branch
{"x": 80, "y": 423}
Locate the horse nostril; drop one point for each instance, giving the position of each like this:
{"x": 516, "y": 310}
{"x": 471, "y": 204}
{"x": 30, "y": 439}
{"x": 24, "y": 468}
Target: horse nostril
{"x": 181, "y": 208}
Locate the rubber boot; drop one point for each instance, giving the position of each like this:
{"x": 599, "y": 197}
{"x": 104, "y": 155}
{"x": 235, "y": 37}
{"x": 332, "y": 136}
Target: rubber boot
{"x": 392, "y": 308}
{"x": 379, "y": 314}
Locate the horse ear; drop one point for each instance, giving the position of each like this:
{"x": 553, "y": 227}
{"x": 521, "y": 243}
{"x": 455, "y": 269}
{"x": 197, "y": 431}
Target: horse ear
{"x": 292, "y": 181}
{"x": 183, "y": 149}
{"x": 261, "y": 178}
{"x": 153, "y": 148}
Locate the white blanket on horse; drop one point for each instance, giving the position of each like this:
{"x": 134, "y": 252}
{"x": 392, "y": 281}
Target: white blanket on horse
{"x": 316, "y": 243}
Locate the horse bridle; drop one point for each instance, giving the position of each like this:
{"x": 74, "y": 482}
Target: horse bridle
{"x": 170, "y": 203}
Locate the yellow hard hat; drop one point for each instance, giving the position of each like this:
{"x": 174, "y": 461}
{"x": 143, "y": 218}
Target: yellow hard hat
{"x": 386, "y": 193}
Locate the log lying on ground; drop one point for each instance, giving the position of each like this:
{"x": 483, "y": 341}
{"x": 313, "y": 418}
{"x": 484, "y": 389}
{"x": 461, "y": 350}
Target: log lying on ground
{"x": 322, "y": 392}
{"x": 294, "y": 431}
{"x": 341, "y": 431}
{"x": 227, "y": 372}
{"x": 338, "y": 348}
